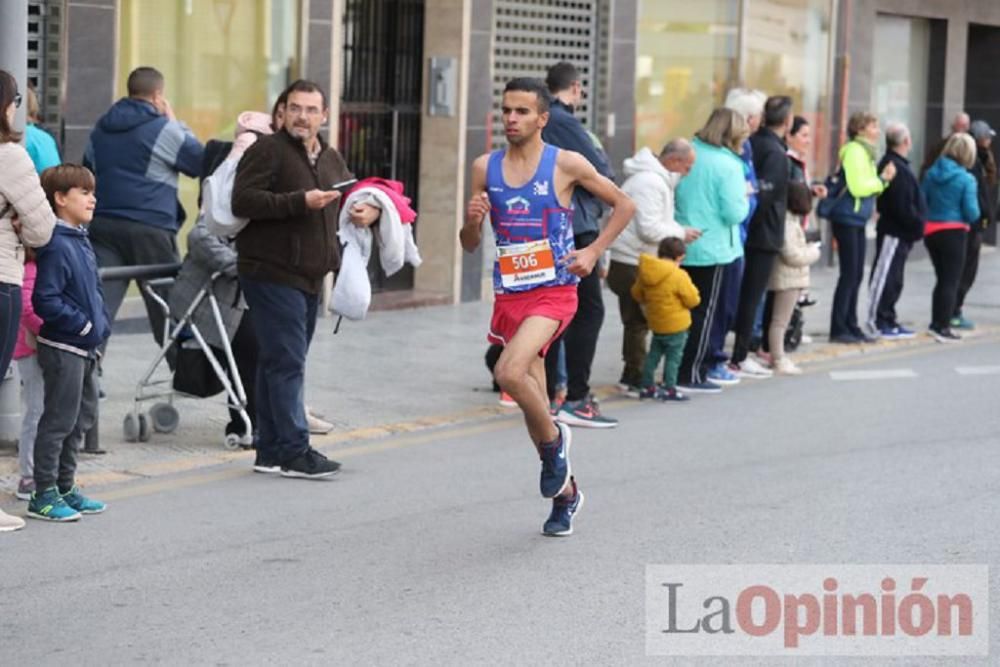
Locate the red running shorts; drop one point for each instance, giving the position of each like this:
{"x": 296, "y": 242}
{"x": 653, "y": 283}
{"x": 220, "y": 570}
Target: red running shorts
{"x": 511, "y": 310}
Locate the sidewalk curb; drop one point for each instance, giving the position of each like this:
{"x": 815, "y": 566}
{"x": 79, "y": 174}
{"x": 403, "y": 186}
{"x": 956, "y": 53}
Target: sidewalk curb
{"x": 823, "y": 352}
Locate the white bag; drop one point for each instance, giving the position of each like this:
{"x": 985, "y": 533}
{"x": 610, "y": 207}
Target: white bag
{"x": 217, "y": 201}
{"x": 352, "y": 294}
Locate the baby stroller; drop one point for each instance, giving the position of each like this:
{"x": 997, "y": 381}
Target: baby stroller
{"x": 197, "y": 372}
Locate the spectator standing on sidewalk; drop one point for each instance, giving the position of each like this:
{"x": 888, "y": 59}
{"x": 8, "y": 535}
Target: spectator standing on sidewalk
{"x": 650, "y": 182}
{"x": 855, "y": 204}
{"x": 901, "y": 214}
{"x": 75, "y": 323}
{"x": 32, "y": 386}
{"x": 985, "y": 171}
{"x": 766, "y": 234}
{"x": 749, "y": 104}
{"x": 137, "y": 151}
{"x": 712, "y": 198}
{"x": 283, "y": 185}
{"x": 667, "y": 294}
{"x": 564, "y": 130}
{"x": 41, "y": 145}
{"x": 25, "y": 218}
{"x": 952, "y": 206}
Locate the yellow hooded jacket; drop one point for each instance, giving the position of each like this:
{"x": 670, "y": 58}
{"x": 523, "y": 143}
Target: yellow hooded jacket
{"x": 668, "y": 294}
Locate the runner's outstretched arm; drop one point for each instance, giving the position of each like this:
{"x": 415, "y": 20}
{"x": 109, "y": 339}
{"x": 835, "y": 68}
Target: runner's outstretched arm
{"x": 583, "y": 174}
{"x": 471, "y": 233}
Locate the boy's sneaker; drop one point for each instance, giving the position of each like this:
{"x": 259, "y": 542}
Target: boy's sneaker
{"x": 750, "y": 368}
{"x": 961, "y": 322}
{"x": 506, "y": 400}
{"x": 310, "y": 464}
{"x": 722, "y": 376}
{"x": 48, "y": 505}
{"x": 82, "y": 503}
{"x": 556, "y": 469}
{"x": 705, "y": 387}
{"x": 945, "y": 335}
{"x": 266, "y": 463}
{"x": 673, "y": 394}
{"x": 560, "y": 521}
{"x": 25, "y": 488}
{"x": 903, "y": 332}
{"x": 585, "y": 413}
{"x": 10, "y": 523}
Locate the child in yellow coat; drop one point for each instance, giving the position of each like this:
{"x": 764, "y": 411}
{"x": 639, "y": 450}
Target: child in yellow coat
{"x": 667, "y": 296}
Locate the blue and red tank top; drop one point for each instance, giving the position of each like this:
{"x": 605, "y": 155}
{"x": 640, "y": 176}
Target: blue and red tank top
{"x": 533, "y": 230}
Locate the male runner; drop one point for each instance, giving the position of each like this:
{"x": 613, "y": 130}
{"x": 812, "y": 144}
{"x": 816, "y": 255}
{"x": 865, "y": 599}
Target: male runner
{"x": 537, "y": 269}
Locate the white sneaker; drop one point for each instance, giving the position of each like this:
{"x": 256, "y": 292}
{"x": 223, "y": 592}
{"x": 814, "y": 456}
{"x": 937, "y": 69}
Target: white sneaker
{"x": 785, "y": 366}
{"x": 317, "y": 426}
{"x": 751, "y": 368}
{"x": 10, "y": 523}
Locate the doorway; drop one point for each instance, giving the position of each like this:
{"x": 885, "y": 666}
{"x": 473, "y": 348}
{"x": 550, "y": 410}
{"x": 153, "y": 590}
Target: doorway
{"x": 379, "y": 132}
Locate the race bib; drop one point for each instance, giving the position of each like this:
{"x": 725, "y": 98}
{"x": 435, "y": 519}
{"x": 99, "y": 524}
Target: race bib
{"x": 526, "y": 264}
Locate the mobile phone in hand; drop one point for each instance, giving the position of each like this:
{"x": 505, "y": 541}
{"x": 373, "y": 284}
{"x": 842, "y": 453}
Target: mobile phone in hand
{"x": 344, "y": 186}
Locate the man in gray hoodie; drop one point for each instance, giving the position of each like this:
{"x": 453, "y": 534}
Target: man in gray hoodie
{"x": 650, "y": 181}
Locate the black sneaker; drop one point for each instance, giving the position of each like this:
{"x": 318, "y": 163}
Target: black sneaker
{"x": 266, "y": 463}
{"x": 310, "y": 464}
{"x": 945, "y": 335}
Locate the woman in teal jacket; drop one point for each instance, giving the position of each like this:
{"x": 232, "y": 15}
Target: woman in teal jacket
{"x": 713, "y": 199}
{"x": 952, "y": 205}
{"x": 855, "y": 207}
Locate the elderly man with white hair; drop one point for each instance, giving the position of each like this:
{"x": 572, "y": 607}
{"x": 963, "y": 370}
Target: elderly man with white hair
{"x": 750, "y": 104}
{"x": 902, "y": 211}
{"x": 650, "y": 182}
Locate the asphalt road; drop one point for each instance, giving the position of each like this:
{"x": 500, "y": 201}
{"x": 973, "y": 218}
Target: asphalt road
{"x": 426, "y": 550}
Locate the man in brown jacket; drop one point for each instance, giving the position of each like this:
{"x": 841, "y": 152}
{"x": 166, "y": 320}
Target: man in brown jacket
{"x": 284, "y": 186}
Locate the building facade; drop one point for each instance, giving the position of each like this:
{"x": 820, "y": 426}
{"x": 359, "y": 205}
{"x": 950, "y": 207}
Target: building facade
{"x": 415, "y": 83}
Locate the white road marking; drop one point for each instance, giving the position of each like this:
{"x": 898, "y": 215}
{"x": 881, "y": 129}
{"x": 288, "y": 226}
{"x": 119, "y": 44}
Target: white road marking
{"x": 887, "y": 374}
{"x": 978, "y": 370}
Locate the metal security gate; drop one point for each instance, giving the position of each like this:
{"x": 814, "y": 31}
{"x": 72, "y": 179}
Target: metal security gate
{"x": 45, "y": 33}
{"x": 532, "y": 35}
{"x": 379, "y": 132}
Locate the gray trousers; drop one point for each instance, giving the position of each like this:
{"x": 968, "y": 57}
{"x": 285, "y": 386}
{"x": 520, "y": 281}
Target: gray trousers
{"x": 69, "y": 411}
{"x": 127, "y": 243}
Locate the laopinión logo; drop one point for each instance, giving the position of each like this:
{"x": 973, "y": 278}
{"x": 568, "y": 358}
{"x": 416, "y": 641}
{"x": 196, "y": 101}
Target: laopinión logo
{"x": 888, "y": 610}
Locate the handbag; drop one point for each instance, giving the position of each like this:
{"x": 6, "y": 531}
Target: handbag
{"x": 194, "y": 375}
{"x": 836, "y": 188}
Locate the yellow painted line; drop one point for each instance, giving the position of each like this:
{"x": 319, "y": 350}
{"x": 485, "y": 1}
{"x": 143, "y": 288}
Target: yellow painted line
{"x": 149, "y": 488}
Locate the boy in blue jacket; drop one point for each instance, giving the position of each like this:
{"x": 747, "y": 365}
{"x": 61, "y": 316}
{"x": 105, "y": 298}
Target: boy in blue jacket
{"x": 69, "y": 300}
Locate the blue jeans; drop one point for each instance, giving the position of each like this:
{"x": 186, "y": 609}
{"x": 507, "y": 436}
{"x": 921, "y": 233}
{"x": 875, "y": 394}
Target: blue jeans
{"x": 10, "y": 320}
{"x": 288, "y": 316}
{"x": 725, "y": 316}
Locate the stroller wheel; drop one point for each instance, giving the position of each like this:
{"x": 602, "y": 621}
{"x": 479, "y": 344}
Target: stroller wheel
{"x": 143, "y": 428}
{"x": 130, "y": 428}
{"x": 164, "y": 417}
{"x": 233, "y": 441}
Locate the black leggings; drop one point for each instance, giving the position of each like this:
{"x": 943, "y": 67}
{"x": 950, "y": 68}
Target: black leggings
{"x": 947, "y": 251}
{"x": 10, "y": 320}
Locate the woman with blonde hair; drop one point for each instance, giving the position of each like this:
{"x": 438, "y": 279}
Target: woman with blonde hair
{"x": 952, "y": 206}
{"x": 713, "y": 199}
{"x": 25, "y": 218}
